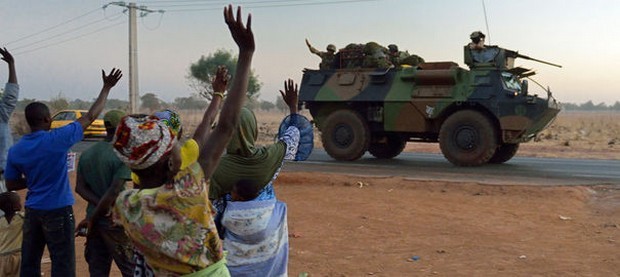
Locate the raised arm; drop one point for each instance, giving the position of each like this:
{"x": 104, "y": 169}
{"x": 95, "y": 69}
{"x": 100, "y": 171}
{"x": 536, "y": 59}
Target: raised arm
{"x": 312, "y": 49}
{"x": 219, "y": 84}
{"x": 229, "y": 116}
{"x": 8, "y": 58}
{"x": 109, "y": 81}
{"x": 11, "y": 91}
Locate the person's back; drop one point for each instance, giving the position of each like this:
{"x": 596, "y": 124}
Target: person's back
{"x": 182, "y": 240}
{"x": 255, "y": 233}
{"x": 98, "y": 168}
{"x": 42, "y": 157}
{"x": 252, "y": 221}
{"x": 99, "y": 165}
{"x": 38, "y": 162}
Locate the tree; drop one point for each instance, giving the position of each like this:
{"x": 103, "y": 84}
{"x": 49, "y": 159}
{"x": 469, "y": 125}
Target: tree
{"x": 570, "y": 106}
{"x": 117, "y": 104}
{"x": 150, "y": 102}
{"x": 600, "y": 107}
{"x": 78, "y": 104}
{"x": 587, "y": 106}
{"x": 202, "y": 72}
{"x": 21, "y": 104}
{"x": 616, "y": 106}
{"x": 281, "y": 105}
{"x": 266, "y": 105}
{"x": 58, "y": 103}
{"x": 194, "y": 102}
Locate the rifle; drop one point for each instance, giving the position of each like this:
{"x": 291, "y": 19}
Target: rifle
{"x": 517, "y": 55}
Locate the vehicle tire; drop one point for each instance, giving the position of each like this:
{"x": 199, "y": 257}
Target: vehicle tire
{"x": 468, "y": 138}
{"x": 388, "y": 148}
{"x": 345, "y": 135}
{"x": 504, "y": 153}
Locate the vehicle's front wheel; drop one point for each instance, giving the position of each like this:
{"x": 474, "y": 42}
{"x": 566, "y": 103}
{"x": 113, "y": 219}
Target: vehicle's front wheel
{"x": 345, "y": 135}
{"x": 387, "y": 146}
{"x": 504, "y": 153}
{"x": 468, "y": 138}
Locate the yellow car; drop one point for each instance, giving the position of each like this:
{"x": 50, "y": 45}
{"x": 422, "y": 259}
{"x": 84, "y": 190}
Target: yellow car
{"x": 64, "y": 117}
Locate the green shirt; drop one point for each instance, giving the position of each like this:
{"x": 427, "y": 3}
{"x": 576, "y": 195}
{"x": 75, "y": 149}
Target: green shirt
{"x": 99, "y": 166}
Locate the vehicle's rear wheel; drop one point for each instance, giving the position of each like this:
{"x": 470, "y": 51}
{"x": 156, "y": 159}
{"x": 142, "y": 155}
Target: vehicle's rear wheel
{"x": 504, "y": 153}
{"x": 345, "y": 135}
{"x": 467, "y": 138}
{"x": 387, "y": 146}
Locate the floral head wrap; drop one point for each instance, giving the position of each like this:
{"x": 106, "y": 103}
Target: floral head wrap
{"x": 142, "y": 140}
{"x": 171, "y": 118}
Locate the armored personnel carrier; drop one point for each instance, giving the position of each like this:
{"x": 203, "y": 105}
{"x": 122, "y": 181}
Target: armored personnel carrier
{"x": 478, "y": 115}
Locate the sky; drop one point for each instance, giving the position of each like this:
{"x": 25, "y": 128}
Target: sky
{"x": 60, "y": 46}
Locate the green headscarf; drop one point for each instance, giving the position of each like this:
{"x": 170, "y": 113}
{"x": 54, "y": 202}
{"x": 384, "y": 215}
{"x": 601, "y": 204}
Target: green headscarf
{"x": 245, "y": 161}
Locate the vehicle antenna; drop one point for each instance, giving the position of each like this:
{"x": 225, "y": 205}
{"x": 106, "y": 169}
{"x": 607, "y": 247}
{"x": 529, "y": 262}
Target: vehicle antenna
{"x": 486, "y": 21}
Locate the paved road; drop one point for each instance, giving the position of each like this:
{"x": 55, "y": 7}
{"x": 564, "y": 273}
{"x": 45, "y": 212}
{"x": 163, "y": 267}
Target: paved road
{"x": 425, "y": 166}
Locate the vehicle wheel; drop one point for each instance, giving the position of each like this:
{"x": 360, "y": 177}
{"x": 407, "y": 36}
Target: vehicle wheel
{"x": 345, "y": 135}
{"x": 504, "y": 153}
{"x": 388, "y": 146}
{"x": 467, "y": 138}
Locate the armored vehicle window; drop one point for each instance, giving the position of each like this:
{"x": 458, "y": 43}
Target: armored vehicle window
{"x": 510, "y": 82}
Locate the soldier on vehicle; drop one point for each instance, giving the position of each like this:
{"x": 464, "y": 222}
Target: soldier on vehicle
{"x": 394, "y": 54}
{"x": 376, "y": 56}
{"x": 400, "y": 58}
{"x": 479, "y": 52}
{"x": 327, "y": 58}
{"x": 477, "y": 40}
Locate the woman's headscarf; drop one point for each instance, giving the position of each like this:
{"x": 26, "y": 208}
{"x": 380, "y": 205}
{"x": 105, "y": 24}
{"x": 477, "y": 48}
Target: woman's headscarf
{"x": 171, "y": 118}
{"x": 142, "y": 140}
{"x": 244, "y": 161}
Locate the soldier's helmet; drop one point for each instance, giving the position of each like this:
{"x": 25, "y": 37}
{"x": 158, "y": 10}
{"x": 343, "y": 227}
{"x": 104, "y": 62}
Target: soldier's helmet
{"x": 331, "y": 48}
{"x": 393, "y": 48}
{"x": 477, "y": 35}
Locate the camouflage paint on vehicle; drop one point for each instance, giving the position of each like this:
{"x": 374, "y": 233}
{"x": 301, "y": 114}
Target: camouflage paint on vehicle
{"x": 412, "y": 103}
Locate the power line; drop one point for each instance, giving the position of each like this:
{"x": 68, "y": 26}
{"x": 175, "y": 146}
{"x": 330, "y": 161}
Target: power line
{"x": 132, "y": 9}
{"x": 60, "y": 34}
{"x": 175, "y": 1}
{"x": 55, "y": 26}
{"x": 211, "y": 6}
{"x": 161, "y": 15}
{"x": 69, "y": 39}
{"x": 221, "y": 3}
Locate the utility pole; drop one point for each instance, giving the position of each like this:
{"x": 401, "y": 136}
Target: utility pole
{"x": 133, "y": 50}
{"x": 133, "y": 60}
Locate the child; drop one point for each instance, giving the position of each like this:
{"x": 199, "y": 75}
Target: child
{"x": 255, "y": 233}
{"x": 244, "y": 190}
{"x": 10, "y": 234}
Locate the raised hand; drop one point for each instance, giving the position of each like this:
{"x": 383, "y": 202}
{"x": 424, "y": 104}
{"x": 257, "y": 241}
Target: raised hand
{"x": 220, "y": 81}
{"x": 110, "y": 81}
{"x": 6, "y": 56}
{"x": 290, "y": 95}
{"x": 242, "y": 35}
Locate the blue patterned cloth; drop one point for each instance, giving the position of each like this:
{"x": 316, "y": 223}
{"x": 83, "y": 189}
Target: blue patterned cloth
{"x": 306, "y": 134}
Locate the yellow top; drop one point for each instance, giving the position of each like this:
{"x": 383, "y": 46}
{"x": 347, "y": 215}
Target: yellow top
{"x": 189, "y": 155}
{"x": 172, "y": 225}
{"x": 11, "y": 234}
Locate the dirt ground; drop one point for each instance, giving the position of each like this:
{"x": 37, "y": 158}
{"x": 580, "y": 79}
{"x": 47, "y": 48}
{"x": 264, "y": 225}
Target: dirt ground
{"x": 348, "y": 225}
